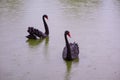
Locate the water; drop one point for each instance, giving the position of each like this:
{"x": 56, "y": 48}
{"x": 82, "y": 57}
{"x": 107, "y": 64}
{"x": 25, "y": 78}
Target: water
{"x": 94, "y": 25}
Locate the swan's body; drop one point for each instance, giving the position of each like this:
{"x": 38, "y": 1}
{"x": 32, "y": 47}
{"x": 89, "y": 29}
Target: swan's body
{"x": 74, "y": 51}
{"x": 71, "y": 50}
{"x": 34, "y": 33}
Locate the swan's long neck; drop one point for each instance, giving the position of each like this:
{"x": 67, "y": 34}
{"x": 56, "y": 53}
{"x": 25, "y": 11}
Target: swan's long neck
{"x": 46, "y": 27}
{"x": 68, "y": 48}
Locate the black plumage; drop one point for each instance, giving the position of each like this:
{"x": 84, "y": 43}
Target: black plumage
{"x": 71, "y": 50}
{"x": 35, "y": 33}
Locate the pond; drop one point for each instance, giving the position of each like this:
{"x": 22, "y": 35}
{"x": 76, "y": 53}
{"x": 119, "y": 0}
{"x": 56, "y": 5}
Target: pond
{"x": 93, "y": 24}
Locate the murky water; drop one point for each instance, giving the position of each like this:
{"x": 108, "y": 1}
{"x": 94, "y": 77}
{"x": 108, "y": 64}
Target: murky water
{"x": 94, "y": 25}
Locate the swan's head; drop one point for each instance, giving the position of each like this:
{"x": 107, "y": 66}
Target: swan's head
{"x": 67, "y": 33}
{"x": 45, "y": 16}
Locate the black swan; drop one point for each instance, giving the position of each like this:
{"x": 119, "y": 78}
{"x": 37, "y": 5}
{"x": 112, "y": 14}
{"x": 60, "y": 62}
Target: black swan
{"x": 71, "y": 50}
{"x": 34, "y": 33}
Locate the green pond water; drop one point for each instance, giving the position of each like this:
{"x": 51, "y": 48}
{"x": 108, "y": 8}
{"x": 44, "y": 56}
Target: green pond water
{"x": 94, "y": 25}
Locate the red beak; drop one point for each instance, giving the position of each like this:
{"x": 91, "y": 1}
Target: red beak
{"x": 46, "y": 17}
{"x": 69, "y": 35}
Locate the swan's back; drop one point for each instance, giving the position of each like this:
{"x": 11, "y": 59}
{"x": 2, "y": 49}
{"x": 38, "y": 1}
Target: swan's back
{"x": 74, "y": 51}
{"x": 36, "y": 32}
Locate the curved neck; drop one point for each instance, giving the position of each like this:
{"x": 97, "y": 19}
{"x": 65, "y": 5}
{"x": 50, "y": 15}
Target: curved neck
{"x": 46, "y": 27}
{"x": 68, "y": 48}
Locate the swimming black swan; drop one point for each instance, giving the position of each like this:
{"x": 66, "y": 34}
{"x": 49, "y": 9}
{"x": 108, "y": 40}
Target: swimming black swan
{"x": 34, "y": 33}
{"x": 71, "y": 50}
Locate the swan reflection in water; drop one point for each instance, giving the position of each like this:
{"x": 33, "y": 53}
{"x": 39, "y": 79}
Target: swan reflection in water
{"x": 35, "y": 42}
{"x": 69, "y": 68}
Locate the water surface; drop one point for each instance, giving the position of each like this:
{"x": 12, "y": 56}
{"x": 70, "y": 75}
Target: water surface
{"x": 94, "y": 25}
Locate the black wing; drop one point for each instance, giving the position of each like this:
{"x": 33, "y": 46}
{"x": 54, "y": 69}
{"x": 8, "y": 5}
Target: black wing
{"x": 35, "y": 32}
{"x": 74, "y": 50}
